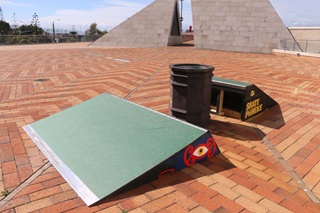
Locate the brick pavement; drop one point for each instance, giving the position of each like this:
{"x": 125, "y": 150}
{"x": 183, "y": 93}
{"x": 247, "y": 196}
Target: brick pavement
{"x": 261, "y": 160}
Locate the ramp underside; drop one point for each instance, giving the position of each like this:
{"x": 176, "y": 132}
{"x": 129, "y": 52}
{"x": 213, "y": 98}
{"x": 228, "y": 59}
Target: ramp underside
{"x": 105, "y": 143}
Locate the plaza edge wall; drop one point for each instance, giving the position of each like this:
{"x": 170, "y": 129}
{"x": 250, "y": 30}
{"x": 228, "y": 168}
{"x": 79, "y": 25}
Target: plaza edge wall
{"x": 306, "y": 33}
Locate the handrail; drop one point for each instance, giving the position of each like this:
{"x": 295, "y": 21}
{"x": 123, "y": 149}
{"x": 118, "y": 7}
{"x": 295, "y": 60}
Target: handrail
{"x": 310, "y": 46}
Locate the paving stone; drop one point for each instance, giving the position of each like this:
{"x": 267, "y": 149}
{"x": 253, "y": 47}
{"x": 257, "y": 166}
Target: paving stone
{"x": 259, "y": 173}
{"x": 9, "y": 167}
{"x": 243, "y": 182}
{"x": 134, "y": 203}
{"x": 61, "y": 196}
{"x": 113, "y": 209}
{"x": 199, "y": 209}
{"x": 292, "y": 206}
{"x": 11, "y": 180}
{"x": 138, "y": 210}
{"x": 250, "y": 205}
{"x": 160, "y": 192}
{"x": 205, "y": 201}
{"x": 284, "y": 185}
{"x": 65, "y": 187}
{"x": 83, "y": 209}
{"x": 204, "y": 190}
{"x": 186, "y": 189}
{"x": 176, "y": 209}
{"x": 60, "y": 207}
{"x": 6, "y": 152}
{"x": 24, "y": 171}
{"x": 227, "y": 203}
{"x": 22, "y": 200}
{"x": 278, "y": 175}
{"x": 30, "y": 189}
{"x": 39, "y": 204}
{"x": 44, "y": 193}
{"x": 227, "y": 192}
{"x": 183, "y": 201}
{"x": 273, "y": 206}
{"x": 268, "y": 194}
{"x": 247, "y": 193}
{"x": 157, "y": 204}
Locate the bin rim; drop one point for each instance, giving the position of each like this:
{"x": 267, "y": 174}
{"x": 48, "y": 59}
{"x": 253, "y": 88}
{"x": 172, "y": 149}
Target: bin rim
{"x": 191, "y": 68}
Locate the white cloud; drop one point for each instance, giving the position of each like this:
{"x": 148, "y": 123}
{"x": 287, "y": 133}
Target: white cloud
{"x": 11, "y": 3}
{"x": 106, "y": 16}
{"x": 126, "y": 4}
{"x": 298, "y": 13}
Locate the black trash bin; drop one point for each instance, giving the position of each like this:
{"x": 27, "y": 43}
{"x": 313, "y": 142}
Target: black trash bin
{"x": 191, "y": 92}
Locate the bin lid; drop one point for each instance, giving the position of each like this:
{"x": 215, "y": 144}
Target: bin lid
{"x": 191, "y": 68}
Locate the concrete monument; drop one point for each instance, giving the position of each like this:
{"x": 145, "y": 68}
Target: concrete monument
{"x": 156, "y": 25}
{"x": 226, "y": 25}
{"x": 238, "y": 25}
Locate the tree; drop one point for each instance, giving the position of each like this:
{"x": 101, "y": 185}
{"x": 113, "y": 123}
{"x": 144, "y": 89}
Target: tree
{"x": 14, "y": 26}
{"x": 35, "y": 20}
{"x": 93, "y": 30}
{"x": 73, "y": 32}
{"x": 35, "y": 25}
{"x": 101, "y": 32}
{"x": 4, "y": 28}
{"x": 25, "y": 30}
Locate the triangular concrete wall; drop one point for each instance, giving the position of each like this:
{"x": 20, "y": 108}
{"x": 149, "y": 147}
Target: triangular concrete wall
{"x": 154, "y": 26}
{"x": 241, "y": 25}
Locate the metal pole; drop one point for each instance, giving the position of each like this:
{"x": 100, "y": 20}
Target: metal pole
{"x": 306, "y": 46}
{"x": 53, "y": 33}
{"x": 181, "y": 8}
{"x": 181, "y": 17}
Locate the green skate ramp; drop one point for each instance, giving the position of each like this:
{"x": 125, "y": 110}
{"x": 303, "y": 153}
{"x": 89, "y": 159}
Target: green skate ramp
{"x": 106, "y": 144}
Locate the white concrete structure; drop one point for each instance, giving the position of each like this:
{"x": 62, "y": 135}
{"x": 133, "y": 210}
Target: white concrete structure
{"x": 227, "y": 25}
{"x": 156, "y": 25}
{"x": 238, "y": 25}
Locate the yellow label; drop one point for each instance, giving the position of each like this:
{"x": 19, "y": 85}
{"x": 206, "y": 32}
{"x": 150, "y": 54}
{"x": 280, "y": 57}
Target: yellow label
{"x": 253, "y": 108}
{"x": 252, "y": 93}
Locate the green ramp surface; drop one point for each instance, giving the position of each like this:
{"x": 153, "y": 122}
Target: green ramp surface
{"x": 104, "y": 143}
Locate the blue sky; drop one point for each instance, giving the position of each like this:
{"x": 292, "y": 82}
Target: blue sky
{"x": 109, "y": 13}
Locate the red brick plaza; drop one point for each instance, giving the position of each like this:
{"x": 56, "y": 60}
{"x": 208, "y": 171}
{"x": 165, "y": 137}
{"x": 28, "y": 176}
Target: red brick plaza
{"x": 270, "y": 164}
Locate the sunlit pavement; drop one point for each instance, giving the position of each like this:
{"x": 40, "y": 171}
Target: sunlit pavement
{"x": 270, "y": 164}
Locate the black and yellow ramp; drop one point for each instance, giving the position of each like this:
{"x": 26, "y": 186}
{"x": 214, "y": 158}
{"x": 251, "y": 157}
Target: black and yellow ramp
{"x": 238, "y": 99}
